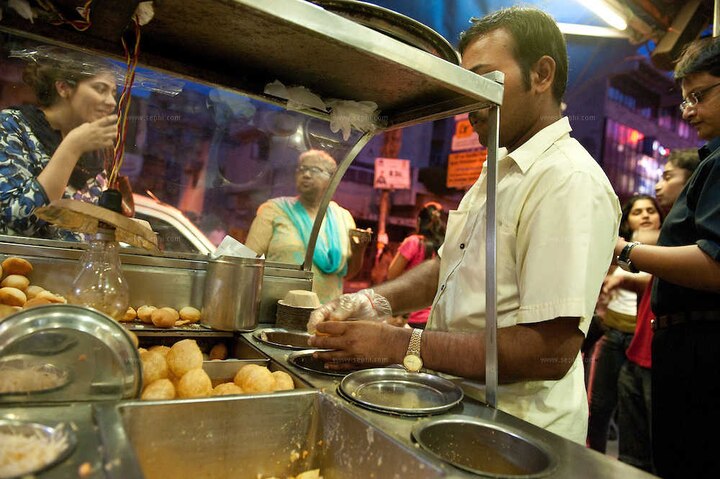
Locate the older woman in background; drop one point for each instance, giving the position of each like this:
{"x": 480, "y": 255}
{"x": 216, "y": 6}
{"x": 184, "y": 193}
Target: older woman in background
{"x": 281, "y": 229}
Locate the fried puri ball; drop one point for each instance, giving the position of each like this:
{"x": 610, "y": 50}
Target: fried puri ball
{"x": 154, "y": 367}
{"x": 6, "y": 310}
{"x": 33, "y": 290}
{"x": 36, "y": 302}
{"x": 188, "y": 313}
{"x": 164, "y": 317}
{"x": 283, "y": 381}
{"x": 130, "y": 314}
{"x": 54, "y": 298}
{"x": 219, "y": 351}
{"x": 12, "y": 296}
{"x": 184, "y": 356}
{"x": 15, "y": 281}
{"x": 194, "y": 384}
{"x": 255, "y": 379}
{"x": 15, "y": 265}
{"x": 226, "y": 389}
{"x": 160, "y": 349}
{"x": 144, "y": 312}
{"x": 133, "y": 338}
{"x": 159, "y": 390}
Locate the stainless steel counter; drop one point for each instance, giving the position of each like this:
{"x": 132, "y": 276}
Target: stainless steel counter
{"x": 134, "y": 439}
{"x": 573, "y": 460}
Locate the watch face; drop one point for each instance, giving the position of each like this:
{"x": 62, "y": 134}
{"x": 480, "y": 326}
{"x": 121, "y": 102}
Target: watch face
{"x": 412, "y": 363}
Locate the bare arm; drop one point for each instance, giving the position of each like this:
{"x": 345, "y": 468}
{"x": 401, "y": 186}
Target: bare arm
{"x": 540, "y": 351}
{"x": 85, "y": 138}
{"x": 635, "y": 283}
{"x": 686, "y": 266}
{"x": 413, "y": 290}
{"x": 397, "y": 266}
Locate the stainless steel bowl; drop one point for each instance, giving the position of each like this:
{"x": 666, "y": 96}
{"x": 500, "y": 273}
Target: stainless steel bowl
{"x": 305, "y": 360}
{"x": 282, "y": 338}
{"x": 397, "y": 391}
{"x": 61, "y": 434}
{"x": 484, "y": 448}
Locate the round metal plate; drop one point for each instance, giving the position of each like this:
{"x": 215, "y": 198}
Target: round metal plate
{"x": 393, "y": 24}
{"x": 96, "y": 351}
{"x": 397, "y": 391}
{"x": 484, "y": 447}
{"x": 282, "y": 338}
{"x": 60, "y": 433}
{"x": 305, "y": 360}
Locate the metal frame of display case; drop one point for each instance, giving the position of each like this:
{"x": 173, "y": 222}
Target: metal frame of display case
{"x": 245, "y": 44}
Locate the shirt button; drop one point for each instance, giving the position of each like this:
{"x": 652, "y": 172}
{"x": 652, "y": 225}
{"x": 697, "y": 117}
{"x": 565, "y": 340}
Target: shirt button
{"x": 442, "y": 287}
{"x": 462, "y": 245}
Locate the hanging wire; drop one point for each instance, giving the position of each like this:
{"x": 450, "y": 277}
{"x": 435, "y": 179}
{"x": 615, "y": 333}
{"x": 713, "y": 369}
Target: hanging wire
{"x": 131, "y": 59}
{"x": 79, "y": 25}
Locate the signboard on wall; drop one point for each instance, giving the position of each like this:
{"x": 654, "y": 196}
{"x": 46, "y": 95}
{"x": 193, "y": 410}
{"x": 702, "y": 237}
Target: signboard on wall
{"x": 392, "y": 174}
{"x": 464, "y": 137}
{"x": 464, "y": 168}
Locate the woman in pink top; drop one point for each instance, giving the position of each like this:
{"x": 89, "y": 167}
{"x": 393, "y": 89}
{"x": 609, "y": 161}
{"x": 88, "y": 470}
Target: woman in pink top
{"x": 418, "y": 247}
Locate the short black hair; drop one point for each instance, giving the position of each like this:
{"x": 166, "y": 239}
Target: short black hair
{"x": 701, "y": 55}
{"x": 686, "y": 159}
{"x": 535, "y": 33}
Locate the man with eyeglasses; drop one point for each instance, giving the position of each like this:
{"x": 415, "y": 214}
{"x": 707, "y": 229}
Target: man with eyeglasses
{"x": 281, "y": 229}
{"x": 686, "y": 292}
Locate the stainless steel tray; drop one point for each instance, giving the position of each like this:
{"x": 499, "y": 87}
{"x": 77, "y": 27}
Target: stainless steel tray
{"x": 60, "y": 433}
{"x": 305, "y": 360}
{"x": 282, "y": 338}
{"x": 397, "y": 391}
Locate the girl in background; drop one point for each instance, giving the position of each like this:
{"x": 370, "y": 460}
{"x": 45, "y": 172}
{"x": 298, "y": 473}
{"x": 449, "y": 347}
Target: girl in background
{"x": 640, "y": 213}
{"x": 418, "y": 247}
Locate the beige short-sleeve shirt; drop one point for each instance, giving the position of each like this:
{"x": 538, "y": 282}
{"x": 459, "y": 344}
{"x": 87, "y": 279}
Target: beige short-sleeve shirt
{"x": 557, "y": 223}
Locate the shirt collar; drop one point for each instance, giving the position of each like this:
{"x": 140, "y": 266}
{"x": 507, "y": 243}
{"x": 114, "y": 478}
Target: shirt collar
{"x": 709, "y": 148}
{"x": 531, "y": 150}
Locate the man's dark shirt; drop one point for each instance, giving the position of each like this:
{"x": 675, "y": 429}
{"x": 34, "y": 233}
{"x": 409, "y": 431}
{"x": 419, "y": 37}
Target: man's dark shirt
{"x": 693, "y": 219}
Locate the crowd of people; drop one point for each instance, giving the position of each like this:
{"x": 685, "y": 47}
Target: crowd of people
{"x": 649, "y": 272}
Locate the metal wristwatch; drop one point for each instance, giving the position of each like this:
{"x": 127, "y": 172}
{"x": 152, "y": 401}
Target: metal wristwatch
{"x": 623, "y": 259}
{"x": 412, "y": 361}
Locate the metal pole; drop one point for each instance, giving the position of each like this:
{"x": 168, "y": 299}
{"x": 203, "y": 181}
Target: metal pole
{"x": 716, "y": 19}
{"x": 491, "y": 361}
{"x": 329, "y": 192}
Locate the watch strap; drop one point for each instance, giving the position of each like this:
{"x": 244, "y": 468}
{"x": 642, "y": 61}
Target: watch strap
{"x": 624, "y": 258}
{"x": 415, "y": 341}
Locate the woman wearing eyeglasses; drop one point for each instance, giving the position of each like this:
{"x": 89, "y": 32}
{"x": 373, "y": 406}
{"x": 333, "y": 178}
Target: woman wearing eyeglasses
{"x": 282, "y": 227}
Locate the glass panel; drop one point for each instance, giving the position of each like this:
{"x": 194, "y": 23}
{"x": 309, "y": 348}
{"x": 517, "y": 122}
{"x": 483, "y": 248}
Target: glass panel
{"x": 196, "y": 156}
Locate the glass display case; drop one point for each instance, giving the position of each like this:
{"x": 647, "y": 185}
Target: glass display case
{"x": 210, "y": 139}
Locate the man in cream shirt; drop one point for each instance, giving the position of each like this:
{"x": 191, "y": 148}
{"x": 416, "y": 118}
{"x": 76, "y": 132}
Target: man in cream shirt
{"x": 557, "y": 223}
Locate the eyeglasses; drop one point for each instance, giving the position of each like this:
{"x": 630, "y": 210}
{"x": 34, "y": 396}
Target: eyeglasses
{"x": 313, "y": 170}
{"x": 695, "y": 97}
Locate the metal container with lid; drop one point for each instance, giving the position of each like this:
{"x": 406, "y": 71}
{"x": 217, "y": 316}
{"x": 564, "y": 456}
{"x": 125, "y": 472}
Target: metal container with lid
{"x": 63, "y": 352}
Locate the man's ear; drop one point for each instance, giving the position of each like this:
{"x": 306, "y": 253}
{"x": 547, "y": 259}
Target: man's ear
{"x": 543, "y": 74}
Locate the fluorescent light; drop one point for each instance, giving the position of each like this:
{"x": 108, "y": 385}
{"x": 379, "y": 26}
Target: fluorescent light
{"x": 607, "y": 13}
{"x": 590, "y": 30}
